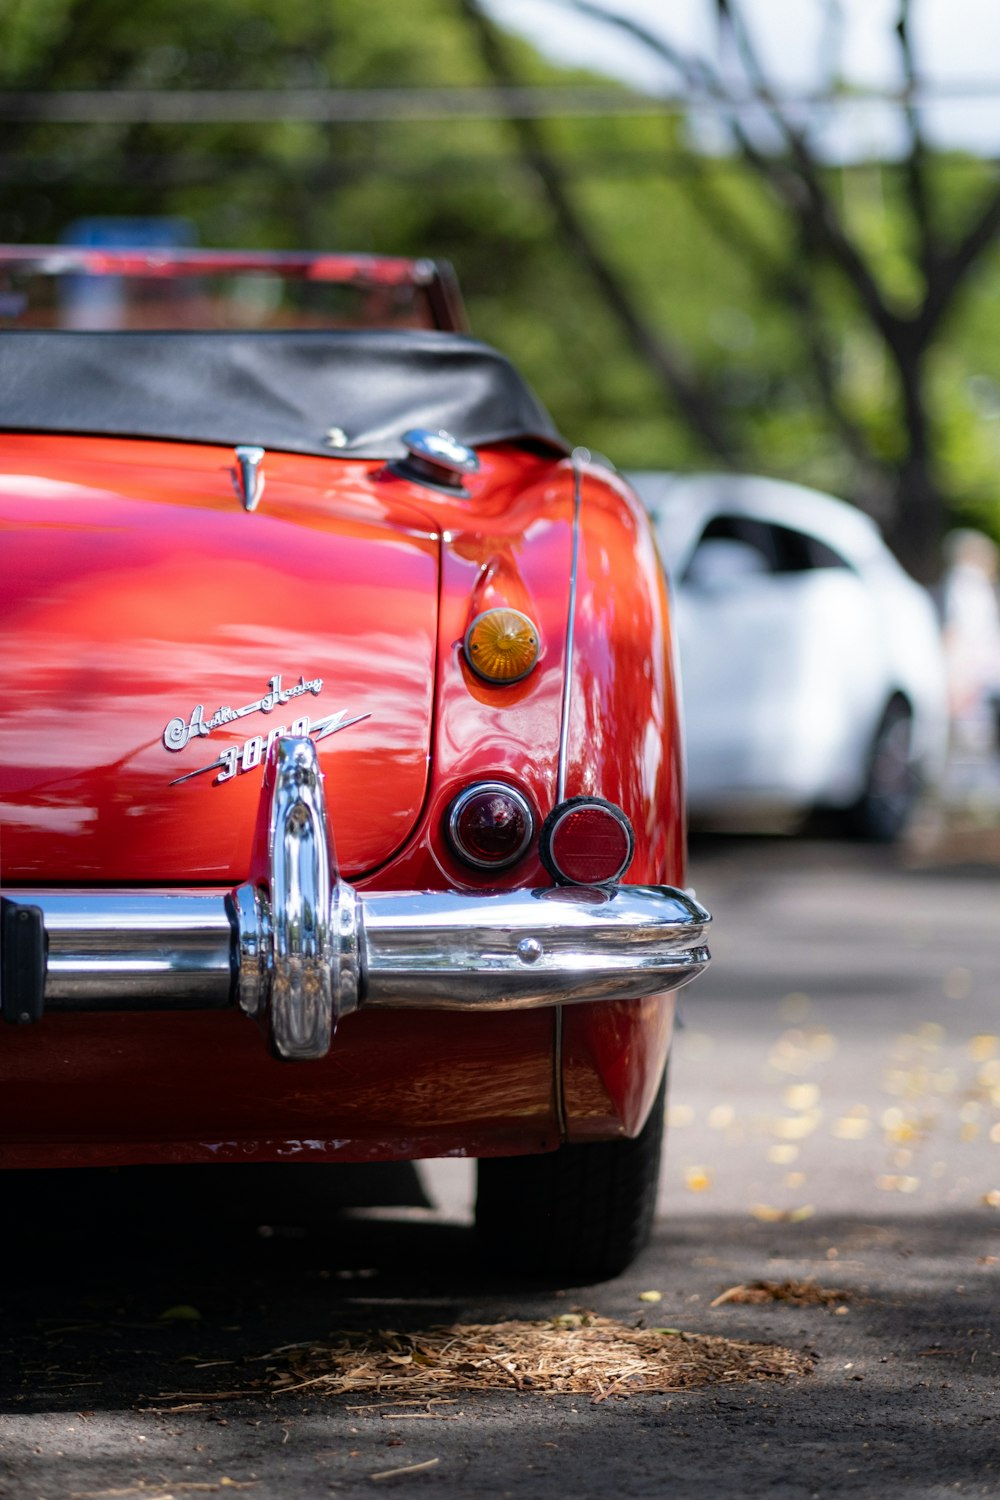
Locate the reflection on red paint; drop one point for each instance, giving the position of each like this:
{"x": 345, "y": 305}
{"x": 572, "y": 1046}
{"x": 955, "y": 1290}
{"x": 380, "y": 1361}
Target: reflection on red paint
{"x": 138, "y": 592}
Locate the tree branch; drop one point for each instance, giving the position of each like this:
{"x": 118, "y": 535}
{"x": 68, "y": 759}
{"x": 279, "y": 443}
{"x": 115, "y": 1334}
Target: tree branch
{"x": 950, "y": 271}
{"x": 800, "y": 189}
{"x": 667, "y": 363}
{"x": 916, "y": 158}
{"x": 783, "y": 280}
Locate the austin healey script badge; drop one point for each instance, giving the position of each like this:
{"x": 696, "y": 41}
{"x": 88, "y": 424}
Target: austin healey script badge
{"x": 244, "y": 757}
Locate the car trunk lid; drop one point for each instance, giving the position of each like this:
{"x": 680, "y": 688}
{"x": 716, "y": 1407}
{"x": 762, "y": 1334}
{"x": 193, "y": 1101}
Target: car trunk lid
{"x": 156, "y": 635}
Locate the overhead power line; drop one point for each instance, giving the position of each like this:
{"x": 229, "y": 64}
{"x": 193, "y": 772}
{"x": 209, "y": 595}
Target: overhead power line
{"x": 346, "y": 106}
{"x": 334, "y": 106}
{"x": 185, "y": 168}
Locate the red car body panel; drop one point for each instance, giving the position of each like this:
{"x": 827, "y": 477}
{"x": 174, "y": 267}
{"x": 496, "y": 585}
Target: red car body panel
{"x": 338, "y": 587}
{"x": 84, "y": 609}
{"x": 139, "y": 594}
{"x": 118, "y": 1090}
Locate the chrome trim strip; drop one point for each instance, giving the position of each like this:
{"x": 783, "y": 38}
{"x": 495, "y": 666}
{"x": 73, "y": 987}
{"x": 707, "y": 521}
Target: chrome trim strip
{"x": 577, "y": 457}
{"x": 248, "y": 476}
{"x": 297, "y": 953}
{"x": 301, "y": 997}
{"x": 523, "y": 949}
{"x": 250, "y": 914}
{"x": 440, "y": 950}
{"x": 123, "y": 950}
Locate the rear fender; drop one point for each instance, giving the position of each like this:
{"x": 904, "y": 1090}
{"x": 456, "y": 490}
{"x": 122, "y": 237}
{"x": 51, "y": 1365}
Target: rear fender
{"x": 514, "y": 549}
{"x": 623, "y": 743}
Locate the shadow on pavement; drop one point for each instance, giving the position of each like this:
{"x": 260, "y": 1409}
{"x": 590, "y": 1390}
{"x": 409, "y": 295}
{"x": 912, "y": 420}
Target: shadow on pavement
{"x": 902, "y": 1396}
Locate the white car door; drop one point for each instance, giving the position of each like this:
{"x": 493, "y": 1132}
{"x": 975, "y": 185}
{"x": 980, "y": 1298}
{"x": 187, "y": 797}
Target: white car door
{"x": 773, "y": 629}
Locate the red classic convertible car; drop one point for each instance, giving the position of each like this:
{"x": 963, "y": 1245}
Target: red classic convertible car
{"x": 342, "y": 806}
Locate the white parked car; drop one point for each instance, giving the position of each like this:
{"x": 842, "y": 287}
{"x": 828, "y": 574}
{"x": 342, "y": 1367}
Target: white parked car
{"x": 812, "y": 664}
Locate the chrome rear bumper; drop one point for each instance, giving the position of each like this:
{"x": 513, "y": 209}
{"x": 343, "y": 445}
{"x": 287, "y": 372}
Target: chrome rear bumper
{"x": 303, "y": 948}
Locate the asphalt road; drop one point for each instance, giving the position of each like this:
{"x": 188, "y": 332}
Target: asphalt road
{"x": 835, "y": 1117}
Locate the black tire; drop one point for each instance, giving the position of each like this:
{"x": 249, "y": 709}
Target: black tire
{"x": 581, "y": 1213}
{"x": 893, "y": 780}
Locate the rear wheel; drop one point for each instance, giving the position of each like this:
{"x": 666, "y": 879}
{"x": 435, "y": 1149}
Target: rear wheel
{"x": 893, "y": 782}
{"x": 580, "y": 1213}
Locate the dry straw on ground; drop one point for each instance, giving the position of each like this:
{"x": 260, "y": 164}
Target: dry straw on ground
{"x": 577, "y": 1354}
{"x": 797, "y": 1293}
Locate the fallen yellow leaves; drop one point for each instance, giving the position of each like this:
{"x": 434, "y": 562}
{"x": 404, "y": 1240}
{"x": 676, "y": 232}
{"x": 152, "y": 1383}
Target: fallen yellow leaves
{"x": 946, "y": 1089}
{"x": 768, "y": 1215}
{"x": 721, "y": 1117}
{"x": 904, "y": 1133}
{"x": 697, "y": 1179}
{"x": 796, "y": 1051}
{"x": 896, "y": 1183}
{"x": 905, "y": 1129}
{"x": 182, "y": 1312}
{"x": 796, "y": 1127}
{"x": 801, "y": 1096}
{"x": 908, "y": 1083}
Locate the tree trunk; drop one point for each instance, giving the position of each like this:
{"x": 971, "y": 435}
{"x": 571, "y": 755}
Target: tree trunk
{"x": 916, "y": 532}
{"x": 918, "y": 522}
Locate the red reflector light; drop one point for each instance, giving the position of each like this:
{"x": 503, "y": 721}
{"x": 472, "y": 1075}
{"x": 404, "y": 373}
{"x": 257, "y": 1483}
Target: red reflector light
{"x": 587, "y": 842}
{"x": 490, "y": 825}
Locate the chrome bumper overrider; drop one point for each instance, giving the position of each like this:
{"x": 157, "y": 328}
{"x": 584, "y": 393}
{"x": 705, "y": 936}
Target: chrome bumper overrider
{"x": 303, "y": 948}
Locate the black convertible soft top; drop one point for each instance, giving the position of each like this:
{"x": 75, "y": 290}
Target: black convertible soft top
{"x": 282, "y": 390}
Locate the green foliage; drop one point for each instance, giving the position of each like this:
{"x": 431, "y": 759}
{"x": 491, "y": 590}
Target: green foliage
{"x": 458, "y": 188}
{"x": 29, "y": 29}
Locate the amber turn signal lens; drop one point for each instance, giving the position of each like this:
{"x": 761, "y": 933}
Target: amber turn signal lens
{"x": 490, "y": 825}
{"x": 501, "y": 645}
{"x": 586, "y": 841}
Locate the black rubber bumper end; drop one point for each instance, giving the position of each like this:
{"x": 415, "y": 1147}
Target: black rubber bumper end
{"x": 22, "y": 962}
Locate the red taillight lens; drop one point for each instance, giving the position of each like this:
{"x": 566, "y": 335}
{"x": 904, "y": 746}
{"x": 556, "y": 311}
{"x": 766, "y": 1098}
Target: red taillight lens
{"x": 587, "y": 841}
{"x": 490, "y": 825}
